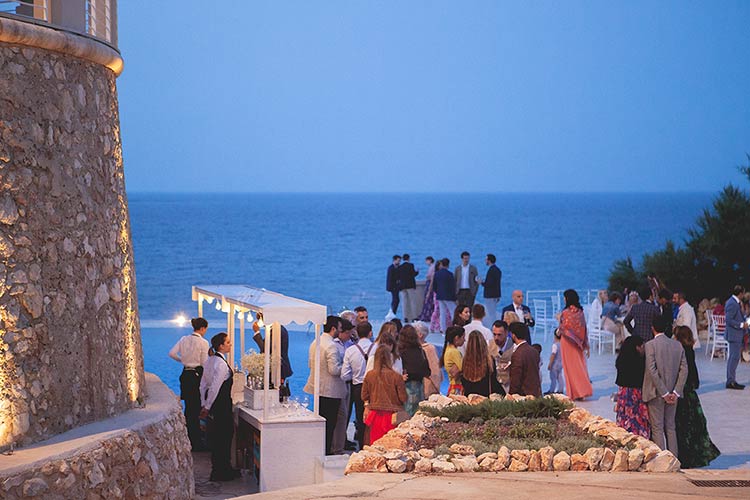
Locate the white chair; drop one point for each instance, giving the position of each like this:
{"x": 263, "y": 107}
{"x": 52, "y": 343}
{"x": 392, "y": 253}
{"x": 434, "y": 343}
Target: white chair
{"x": 719, "y": 341}
{"x": 596, "y": 333}
{"x": 540, "y": 316}
{"x": 709, "y": 330}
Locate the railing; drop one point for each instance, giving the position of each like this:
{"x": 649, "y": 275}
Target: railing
{"x": 96, "y": 18}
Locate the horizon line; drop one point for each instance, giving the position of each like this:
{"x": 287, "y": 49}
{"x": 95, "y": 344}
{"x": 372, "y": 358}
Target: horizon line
{"x": 340, "y": 192}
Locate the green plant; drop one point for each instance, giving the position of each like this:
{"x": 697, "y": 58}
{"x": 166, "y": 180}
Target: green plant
{"x": 496, "y": 410}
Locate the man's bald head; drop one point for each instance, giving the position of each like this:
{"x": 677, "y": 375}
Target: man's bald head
{"x": 517, "y": 297}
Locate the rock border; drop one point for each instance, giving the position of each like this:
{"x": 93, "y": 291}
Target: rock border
{"x": 399, "y": 450}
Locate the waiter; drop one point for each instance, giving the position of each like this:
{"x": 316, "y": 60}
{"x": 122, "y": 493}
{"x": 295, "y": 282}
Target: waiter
{"x": 192, "y": 351}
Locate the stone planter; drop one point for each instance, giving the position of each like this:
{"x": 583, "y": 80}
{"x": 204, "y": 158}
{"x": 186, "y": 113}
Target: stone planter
{"x": 254, "y": 397}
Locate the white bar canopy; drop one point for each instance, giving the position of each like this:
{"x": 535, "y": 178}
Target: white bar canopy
{"x": 276, "y": 308}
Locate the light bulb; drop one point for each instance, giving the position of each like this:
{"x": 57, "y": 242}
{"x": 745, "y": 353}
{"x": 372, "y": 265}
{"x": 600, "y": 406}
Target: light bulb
{"x": 218, "y": 305}
{"x": 209, "y": 300}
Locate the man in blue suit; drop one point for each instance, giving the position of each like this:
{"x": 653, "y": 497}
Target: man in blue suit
{"x": 735, "y": 332}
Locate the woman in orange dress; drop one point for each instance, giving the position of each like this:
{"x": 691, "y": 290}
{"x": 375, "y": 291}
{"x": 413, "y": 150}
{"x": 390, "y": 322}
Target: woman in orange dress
{"x": 574, "y": 345}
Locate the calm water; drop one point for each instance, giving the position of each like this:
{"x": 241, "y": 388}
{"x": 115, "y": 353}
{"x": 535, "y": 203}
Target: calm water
{"x": 334, "y": 248}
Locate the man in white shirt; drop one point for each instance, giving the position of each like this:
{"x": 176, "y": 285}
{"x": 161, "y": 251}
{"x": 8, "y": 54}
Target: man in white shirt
{"x": 192, "y": 351}
{"x": 353, "y": 372}
{"x": 686, "y": 316}
{"x": 477, "y": 313}
{"x": 466, "y": 281}
{"x": 522, "y": 311}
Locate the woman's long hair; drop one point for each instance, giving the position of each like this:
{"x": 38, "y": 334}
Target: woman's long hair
{"x": 477, "y": 362}
{"x": 408, "y": 339}
{"x": 216, "y": 342}
{"x": 571, "y": 298}
{"x": 389, "y": 341}
{"x": 388, "y": 329}
{"x": 450, "y": 335}
{"x": 685, "y": 335}
{"x": 629, "y": 356}
{"x": 457, "y": 321}
{"x": 383, "y": 359}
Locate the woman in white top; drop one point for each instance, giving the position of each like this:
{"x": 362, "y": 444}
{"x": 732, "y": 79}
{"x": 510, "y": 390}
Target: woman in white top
{"x": 216, "y": 401}
{"x": 387, "y": 336}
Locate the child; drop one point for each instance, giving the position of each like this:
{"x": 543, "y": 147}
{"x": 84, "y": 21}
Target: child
{"x": 555, "y": 366}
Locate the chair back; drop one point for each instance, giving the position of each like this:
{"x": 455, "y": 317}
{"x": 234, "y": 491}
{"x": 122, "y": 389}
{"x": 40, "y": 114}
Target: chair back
{"x": 720, "y": 323}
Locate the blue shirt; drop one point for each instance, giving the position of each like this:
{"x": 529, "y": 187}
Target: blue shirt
{"x": 611, "y": 310}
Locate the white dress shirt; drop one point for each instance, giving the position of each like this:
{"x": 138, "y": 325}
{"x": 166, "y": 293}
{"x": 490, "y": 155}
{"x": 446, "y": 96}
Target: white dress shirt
{"x": 686, "y": 317}
{"x": 464, "y": 277}
{"x": 519, "y": 311}
{"x": 398, "y": 366}
{"x": 215, "y": 372}
{"x": 191, "y": 350}
{"x": 477, "y": 325}
{"x": 355, "y": 366}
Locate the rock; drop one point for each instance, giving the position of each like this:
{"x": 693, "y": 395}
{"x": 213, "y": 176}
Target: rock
{"x": 607, "y": 460}
{"x": 465, "y": 463}
{"x": 6, "y": 247}
{"x": 101, "y": 297}
{"x": 517, "y": 466}
{"x": 33, "y": 301}
{"x": 535, "y": 462}
{"x": 443, "y": 466}
{"x": 498, "y": 466}
{"x": 487, "y": 463}
{"x": 66, "y": 482}
{"x": 578, "y": 462}
{"x": 561, "y": 462}
{"x": 397, "y": 466}
{"x": 489, "y": 454}
{"x": 521, "y": 455}
{"x": 462, "y": 449}
{"x": 364, "y": 461}
{"x": 475, "y": 399}
{"x": 8, "y": 210}
{"x": 635, "y": 459}
{"x": 426, "y": 452}
{"x": 495, "y": 397}
{"x": 34, "y": 487}
{"x": 96, "y": 475}
{"x": 503, "y": 456}
{"x": 458, "y": 398}
{"x": 546, "y": 456}
{"x": 621, "y": 461}
{"x": 395, "y": 441}
{"x": 423, "y": 465}
{"x": 664, "y": 461}
{"x": 593, "y": 457}
{"x": 650, "y": 453}
{"x": 394, "y": 455}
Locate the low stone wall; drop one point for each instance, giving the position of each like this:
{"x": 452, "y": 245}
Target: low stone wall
{"x": 400, "y": 449}
{"x": 144, "y": 453}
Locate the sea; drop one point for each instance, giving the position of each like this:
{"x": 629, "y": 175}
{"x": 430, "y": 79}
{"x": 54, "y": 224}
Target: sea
{"x": 334, "y": 248}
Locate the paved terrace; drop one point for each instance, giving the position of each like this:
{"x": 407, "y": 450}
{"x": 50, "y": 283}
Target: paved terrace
{"x": 727, "y": 412}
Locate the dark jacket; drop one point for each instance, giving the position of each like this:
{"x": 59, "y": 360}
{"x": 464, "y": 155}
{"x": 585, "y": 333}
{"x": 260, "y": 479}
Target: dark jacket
{"x": 643, "y": 313}
{"x": 483, "y": 387}
{"x": 286, "y": 366}
{"x": 668, "y": 318}
{"x": 407, "y": 273}
{"x": 529, "y": 322}
{"x": 524, "y": 371}
{"x": 693, "y": 381}
{"x": 393, "y": 279}
{"x": 415, "y": 363}
{"x": 630, "y": 370}
{"x": 492, "y": 282}
{"x": 445, "y": 285}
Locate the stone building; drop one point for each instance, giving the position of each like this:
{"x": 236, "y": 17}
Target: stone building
{"x": 70, "y": 348}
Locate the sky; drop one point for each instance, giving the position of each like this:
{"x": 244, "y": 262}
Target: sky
{"x": 433, "y": 96}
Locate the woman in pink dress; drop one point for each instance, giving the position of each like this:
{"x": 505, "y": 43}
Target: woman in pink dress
{"x": 574, "y": 345}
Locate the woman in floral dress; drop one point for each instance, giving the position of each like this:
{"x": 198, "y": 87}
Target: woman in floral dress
{"x": 632, "y": 412}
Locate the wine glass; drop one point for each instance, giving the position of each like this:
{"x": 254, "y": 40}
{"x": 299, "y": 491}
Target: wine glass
{"x": 305, "y": 402}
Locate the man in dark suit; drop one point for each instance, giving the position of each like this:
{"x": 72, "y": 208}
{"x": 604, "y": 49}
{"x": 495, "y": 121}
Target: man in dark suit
{"x": 407, "y": 275}
{"x": 522, "y": 310}
{"x": 665, "y": 306}
{"x": 445, "y": 292}
{"x": 393, "y": 282}
{"x": 492, "y": 294}
{"x": 643, "y": 315}
{"x": 736, "y": 323}
{"x": 524, "y": 364}
{"x": 467, "y": 284}
{"x": 666, "y": 373}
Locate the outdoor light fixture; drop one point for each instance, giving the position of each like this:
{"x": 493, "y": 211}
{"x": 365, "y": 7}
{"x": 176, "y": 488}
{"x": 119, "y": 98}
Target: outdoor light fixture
{"x": 209, "y": 300}
{"x": 218, "y": 305}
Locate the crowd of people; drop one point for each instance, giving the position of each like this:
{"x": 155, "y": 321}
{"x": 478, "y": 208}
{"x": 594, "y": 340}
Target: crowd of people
{"x": 380, "y": 380}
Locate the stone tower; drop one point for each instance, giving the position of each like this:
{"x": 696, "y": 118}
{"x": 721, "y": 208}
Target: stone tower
{"x": 70, "y": 349}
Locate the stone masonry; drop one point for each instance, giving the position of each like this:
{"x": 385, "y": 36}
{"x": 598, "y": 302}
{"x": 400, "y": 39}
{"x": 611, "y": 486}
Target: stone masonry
{"x": 70, "y": 350}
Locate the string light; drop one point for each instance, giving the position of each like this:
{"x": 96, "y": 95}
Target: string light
{"x": 218, "y": 305}
{"x": 180, "y": 319}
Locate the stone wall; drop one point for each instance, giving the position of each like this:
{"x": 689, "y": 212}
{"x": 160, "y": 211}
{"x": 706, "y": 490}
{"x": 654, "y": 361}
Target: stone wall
{"x": 70, "y": 349}
{"x": 148, "y": 458}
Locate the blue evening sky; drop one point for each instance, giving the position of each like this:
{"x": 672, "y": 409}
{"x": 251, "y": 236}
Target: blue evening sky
{"x": 414, "y": 95}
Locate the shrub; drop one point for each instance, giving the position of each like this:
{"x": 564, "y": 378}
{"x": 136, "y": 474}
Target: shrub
{"x": 496, "y": 410}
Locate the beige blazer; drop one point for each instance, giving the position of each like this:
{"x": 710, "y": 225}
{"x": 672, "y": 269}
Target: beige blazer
{"x": 331, "y": 385}
{"x": 666, "y": 368}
